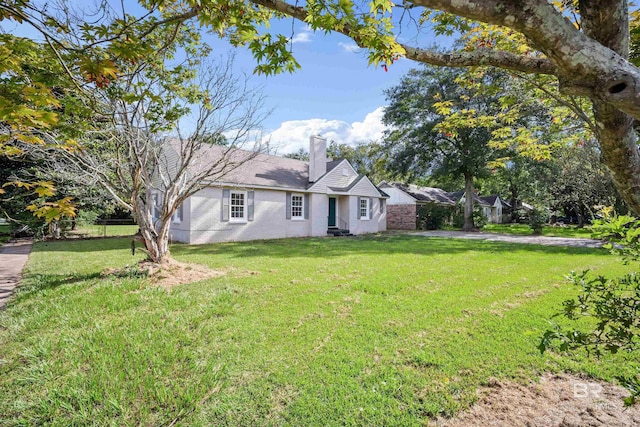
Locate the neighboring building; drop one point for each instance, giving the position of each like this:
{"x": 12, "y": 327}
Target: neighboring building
{"x": 494, "y": 208}
{"x": 270, "y": 197}
{"x": 404, "y": 201}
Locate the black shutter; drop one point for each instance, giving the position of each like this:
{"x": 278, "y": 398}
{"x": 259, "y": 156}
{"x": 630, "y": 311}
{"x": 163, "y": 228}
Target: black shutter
{"x": 358, "y": 208}
{"x": 306, "y": 206}
{"x": 250, "y": 198}
{"x": 288, "y": 206}
{"x": 370, "y": 207}
{"x": 226, "y": 195}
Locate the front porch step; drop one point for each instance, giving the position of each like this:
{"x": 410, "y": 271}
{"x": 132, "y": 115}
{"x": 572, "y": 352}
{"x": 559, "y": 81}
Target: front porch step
{"x": 338, "y": 232}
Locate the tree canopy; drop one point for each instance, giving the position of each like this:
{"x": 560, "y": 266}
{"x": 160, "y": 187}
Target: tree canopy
{"x": 583, "y": 46}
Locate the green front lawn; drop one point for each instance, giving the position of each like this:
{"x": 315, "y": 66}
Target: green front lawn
{"x": 547, "y": 230}
{"x": 387, "y": 330}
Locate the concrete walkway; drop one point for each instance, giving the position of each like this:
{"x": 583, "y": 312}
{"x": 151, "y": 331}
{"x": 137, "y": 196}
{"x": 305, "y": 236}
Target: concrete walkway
{"x": 511, "y": 238}
{"x": 13, "y": 257}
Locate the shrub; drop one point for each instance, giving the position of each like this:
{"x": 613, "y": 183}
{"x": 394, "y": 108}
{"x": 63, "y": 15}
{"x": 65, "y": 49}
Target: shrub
{"x": 432, "y": 216}
{"x": 614, "y": 303}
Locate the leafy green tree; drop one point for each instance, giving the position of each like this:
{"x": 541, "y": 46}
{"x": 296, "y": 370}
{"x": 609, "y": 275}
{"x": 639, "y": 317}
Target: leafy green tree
{"x": 520, "y": 179}
{"x": 440, "y": 126}
{"x": 301, "y": 154}
{"x": 579, "y": 185}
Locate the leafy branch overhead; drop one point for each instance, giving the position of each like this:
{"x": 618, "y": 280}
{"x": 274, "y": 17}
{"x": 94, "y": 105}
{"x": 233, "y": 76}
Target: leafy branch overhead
{"x": 583, "y": 48}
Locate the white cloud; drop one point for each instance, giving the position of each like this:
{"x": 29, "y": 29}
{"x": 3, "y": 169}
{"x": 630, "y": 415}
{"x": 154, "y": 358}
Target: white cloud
{"x": 293, "y": 135}
{"x": 349, "y": 47}
{"x": 303, "y": 36}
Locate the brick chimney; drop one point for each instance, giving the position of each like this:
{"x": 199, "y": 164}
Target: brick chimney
{"x": 317, "y": 158}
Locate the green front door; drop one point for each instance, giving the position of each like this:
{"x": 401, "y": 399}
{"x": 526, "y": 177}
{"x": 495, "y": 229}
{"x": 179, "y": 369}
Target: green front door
{"x": 332, "y": 211}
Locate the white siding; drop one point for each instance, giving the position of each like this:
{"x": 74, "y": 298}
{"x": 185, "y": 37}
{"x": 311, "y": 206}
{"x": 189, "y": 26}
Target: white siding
{"x": 269, "y": 218}
{"x": 319, "y": 214}
{"x": 364, "y": 187}
{"x": 378, "y": 222}
{"x": 336, "y": 178}
{"x": 398, "y": 197}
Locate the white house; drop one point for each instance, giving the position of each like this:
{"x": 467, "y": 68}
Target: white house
{"x": 493, "y": 208}
{"x": 270, "y": 197}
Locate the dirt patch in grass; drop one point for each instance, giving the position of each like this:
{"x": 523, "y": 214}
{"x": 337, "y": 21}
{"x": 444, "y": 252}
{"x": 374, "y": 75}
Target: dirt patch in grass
{"x": 168, "y": 274}
{"x": 173, "y": 273}
{"x": 556, "y": 401}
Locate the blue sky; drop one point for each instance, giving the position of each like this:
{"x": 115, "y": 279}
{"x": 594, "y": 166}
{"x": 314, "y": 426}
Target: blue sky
{"x": 335, "y": 93}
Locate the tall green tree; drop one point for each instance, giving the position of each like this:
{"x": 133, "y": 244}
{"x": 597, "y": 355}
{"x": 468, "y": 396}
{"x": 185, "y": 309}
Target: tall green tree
{"x": 579, "y": 185}
{"x": 440, "y": 126}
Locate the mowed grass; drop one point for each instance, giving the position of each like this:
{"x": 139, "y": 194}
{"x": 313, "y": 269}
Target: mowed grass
{"x": 97, "y": 230}
{"x": 547, "y": 230}
{"x": 386, "y": 330}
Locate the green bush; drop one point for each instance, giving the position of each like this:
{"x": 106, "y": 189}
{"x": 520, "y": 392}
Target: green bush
{"x": 433, "y": 217}
{"x": 537, "y": 218}
{"x": 86, "y": 217}
{"x": 614, "y": 303}
{"x": 479, "y": 218}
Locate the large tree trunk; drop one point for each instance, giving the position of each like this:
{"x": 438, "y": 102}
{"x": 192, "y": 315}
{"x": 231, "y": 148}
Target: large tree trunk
{"x": 468, "y": 202}
{"x": 608, "y": 22}
{"x": 155, "y": 235}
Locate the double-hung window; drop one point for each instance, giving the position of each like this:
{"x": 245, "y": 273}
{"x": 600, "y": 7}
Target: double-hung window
{"x": 364, "y": 208}
{"x": 297, "y": 206}
{"x": 238, "y": 206}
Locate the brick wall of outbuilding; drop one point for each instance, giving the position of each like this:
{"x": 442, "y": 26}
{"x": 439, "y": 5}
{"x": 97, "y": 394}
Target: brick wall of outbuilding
{"x": 401, "y": 217}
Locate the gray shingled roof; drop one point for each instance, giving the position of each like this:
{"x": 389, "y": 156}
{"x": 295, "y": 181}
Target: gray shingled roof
{"x": 251, "y": 169}
{"x": 247, "y": 168}
{"x": 457, "y": 195}
{"x": 426, "y": 194}
{"x": 490, "y": 199}
{"x": 438, "y": 195}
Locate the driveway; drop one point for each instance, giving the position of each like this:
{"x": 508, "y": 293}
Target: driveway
{"x": 13, "y": 257}
{"x": 510, "y": 238}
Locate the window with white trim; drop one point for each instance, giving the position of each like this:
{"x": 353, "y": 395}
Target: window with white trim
{"x": 297, "y": 206}
{"x": 238, "y": 206}
{"x": 364, "y": 208}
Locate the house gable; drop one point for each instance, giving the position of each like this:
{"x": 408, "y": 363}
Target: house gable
{"x": 364, "y": 187}
{"x": 341, "y": 176}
